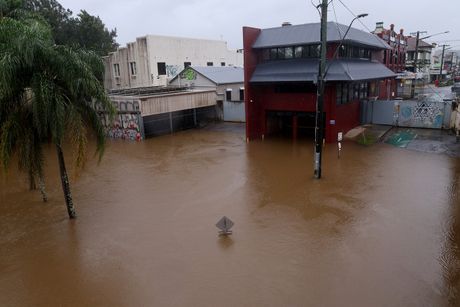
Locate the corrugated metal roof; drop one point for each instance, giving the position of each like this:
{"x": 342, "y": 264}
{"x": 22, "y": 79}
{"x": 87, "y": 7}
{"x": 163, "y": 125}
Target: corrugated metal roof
{"x": 307, "y": 70}
{"x": 310, "y": 34}
{"x": 221, "y": 74}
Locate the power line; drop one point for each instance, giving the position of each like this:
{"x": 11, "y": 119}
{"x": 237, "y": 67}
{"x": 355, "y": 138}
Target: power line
{"x": 362, "y": 23}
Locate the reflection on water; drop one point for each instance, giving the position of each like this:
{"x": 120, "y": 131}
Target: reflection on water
{"x": 380, "y": 229}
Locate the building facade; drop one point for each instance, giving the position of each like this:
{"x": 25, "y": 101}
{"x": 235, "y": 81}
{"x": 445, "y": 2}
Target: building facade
{"x": 153, "y": 60}
{"x": 281, "y": 72}
{"x": 423, "y": 57}
{"x": 394, "y": 57}
{"x": 228, "y": 82}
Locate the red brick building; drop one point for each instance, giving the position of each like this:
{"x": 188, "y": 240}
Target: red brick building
{"x": 281, "y": 70}
{"x": 394, "y": 57}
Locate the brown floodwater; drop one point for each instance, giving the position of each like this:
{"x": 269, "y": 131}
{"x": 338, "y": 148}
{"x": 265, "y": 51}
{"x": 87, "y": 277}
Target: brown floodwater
{"x": 382, "y": 228}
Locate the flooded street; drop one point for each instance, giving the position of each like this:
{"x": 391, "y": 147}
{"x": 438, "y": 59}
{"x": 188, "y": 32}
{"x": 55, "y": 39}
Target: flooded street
{"x": 381, "y": 228}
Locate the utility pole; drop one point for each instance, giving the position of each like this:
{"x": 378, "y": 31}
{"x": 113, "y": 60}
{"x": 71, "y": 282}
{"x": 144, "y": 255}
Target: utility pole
{"x": 442, "y": 63}
{"x": 412, "y": 92}
{"x": 319, "y": 129}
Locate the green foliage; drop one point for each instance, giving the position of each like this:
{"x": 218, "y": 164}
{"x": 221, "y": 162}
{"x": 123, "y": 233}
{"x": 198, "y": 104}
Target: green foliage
{"x": 84, "y": 30}
{"x": 47, "y": 93}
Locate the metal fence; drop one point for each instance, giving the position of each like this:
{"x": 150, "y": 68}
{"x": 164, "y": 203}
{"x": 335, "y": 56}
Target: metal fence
{"x": 424, "y": 113}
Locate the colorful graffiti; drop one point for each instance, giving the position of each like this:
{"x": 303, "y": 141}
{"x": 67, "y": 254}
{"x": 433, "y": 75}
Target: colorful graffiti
{"x": 126, "y": 124}
{"x": 172, "y": 70}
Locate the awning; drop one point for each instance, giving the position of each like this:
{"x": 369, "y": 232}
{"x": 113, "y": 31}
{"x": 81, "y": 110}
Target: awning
{"x": 306, "y": 70}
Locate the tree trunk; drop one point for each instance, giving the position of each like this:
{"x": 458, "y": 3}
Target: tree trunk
{"x": 65, "y": 183}
{"x": 41, "y": 186}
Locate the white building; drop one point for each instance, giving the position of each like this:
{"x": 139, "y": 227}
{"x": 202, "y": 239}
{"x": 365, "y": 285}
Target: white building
{"x": 153, "y": 60}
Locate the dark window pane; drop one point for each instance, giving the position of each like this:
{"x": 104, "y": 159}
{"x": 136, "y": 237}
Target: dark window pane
{"x": 241, "y": 94}
{"x": 273, "y": 53}
{"x": 161, "y": 68}
{"x": 210, "y": 64}
{"x": 281, "y": 53}
{"x": 222, "y": 63}
{"x": 228, "y": 95}
{"x": 187, "y": 64}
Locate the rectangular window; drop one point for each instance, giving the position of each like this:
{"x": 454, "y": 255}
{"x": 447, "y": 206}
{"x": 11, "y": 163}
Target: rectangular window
{"x": 187, "y": 64}
{"x": 210, "y": 64}
{"x": 161, "y": 68}
{"x": 228, "y": 94}
{"x": 132, "y": 68}
{"x": 362, "y": 90}
{"x": 350, "y": 92}
{"x": 288, "y": 53}
{"x": 241, "y": 94}
{"x": 273, "y": 53}
{"x": 222, "y": 63}
{"x": 314, "y": 51}
{"x": 356, "y": 91}
{"x": 116, "y": 70}
{"x": 281, "y": 53}
{"x": 298, "y": 52}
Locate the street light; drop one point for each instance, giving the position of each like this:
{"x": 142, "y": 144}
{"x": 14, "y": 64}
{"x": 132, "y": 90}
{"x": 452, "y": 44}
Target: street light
{"x": 319, "y": 127}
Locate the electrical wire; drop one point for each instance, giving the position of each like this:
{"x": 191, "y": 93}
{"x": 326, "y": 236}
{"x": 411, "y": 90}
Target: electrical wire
{"x": 362, "y": 23}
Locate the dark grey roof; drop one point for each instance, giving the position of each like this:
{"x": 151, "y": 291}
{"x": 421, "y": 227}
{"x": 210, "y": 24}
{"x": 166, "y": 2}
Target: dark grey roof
{"x": 221, "y": 74}
{"x": 411, "y": 42}
{"x": 310, "y": 34}
{"x": 307, "y": 70}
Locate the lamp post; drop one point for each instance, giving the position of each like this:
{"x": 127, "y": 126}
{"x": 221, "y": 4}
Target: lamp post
{"x": 319, "y": 121}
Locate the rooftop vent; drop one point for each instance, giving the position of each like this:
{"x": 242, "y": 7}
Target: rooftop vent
{"x": 286, "y": 24}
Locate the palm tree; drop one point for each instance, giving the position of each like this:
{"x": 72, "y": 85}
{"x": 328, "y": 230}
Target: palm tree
{"x": 47, "y": 93}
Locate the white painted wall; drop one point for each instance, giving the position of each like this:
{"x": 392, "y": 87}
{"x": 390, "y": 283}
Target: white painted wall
{"x": 148, "y": 51}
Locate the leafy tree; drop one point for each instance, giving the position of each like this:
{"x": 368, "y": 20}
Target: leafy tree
{"x": 47, "y": 93}
{"x": 84, "y": 31}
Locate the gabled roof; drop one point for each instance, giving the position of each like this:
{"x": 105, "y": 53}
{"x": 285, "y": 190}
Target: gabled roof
{"x": 310, "y": 34}
{"x": 421, "y": 44}
{"x": 219, "y": 74}
{"x": 301, "y": 70}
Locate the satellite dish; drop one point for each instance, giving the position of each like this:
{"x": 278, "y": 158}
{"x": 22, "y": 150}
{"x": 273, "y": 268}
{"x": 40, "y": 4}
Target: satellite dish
{"x": 224, "y": 224}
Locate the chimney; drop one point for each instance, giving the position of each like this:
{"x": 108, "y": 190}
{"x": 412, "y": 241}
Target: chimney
{"x": 286, "y": 24}
{"x": 378, "y": 27}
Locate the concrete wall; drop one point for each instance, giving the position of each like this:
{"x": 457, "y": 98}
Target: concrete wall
{"x": 148, "y": 51}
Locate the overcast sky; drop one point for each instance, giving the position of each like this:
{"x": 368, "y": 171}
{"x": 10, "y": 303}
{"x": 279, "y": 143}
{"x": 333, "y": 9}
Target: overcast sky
{"x": 213, "y": 19}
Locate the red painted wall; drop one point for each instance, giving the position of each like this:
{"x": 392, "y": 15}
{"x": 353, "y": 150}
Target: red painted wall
{"x": 250, "y": 61}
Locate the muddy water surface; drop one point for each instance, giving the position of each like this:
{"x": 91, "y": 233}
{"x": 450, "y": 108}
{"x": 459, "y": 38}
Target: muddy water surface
{"x": 380, "y": 229}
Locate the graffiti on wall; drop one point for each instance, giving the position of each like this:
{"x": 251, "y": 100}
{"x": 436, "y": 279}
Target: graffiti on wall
{"x": 172, "y": 70}
{"x": 126, "y": 123}
{"x": 423, "y": 114}
{"x": 188, "y": 74}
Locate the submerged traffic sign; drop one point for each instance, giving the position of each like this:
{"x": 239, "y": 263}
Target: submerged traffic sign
{"x": 224, "y": 224}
